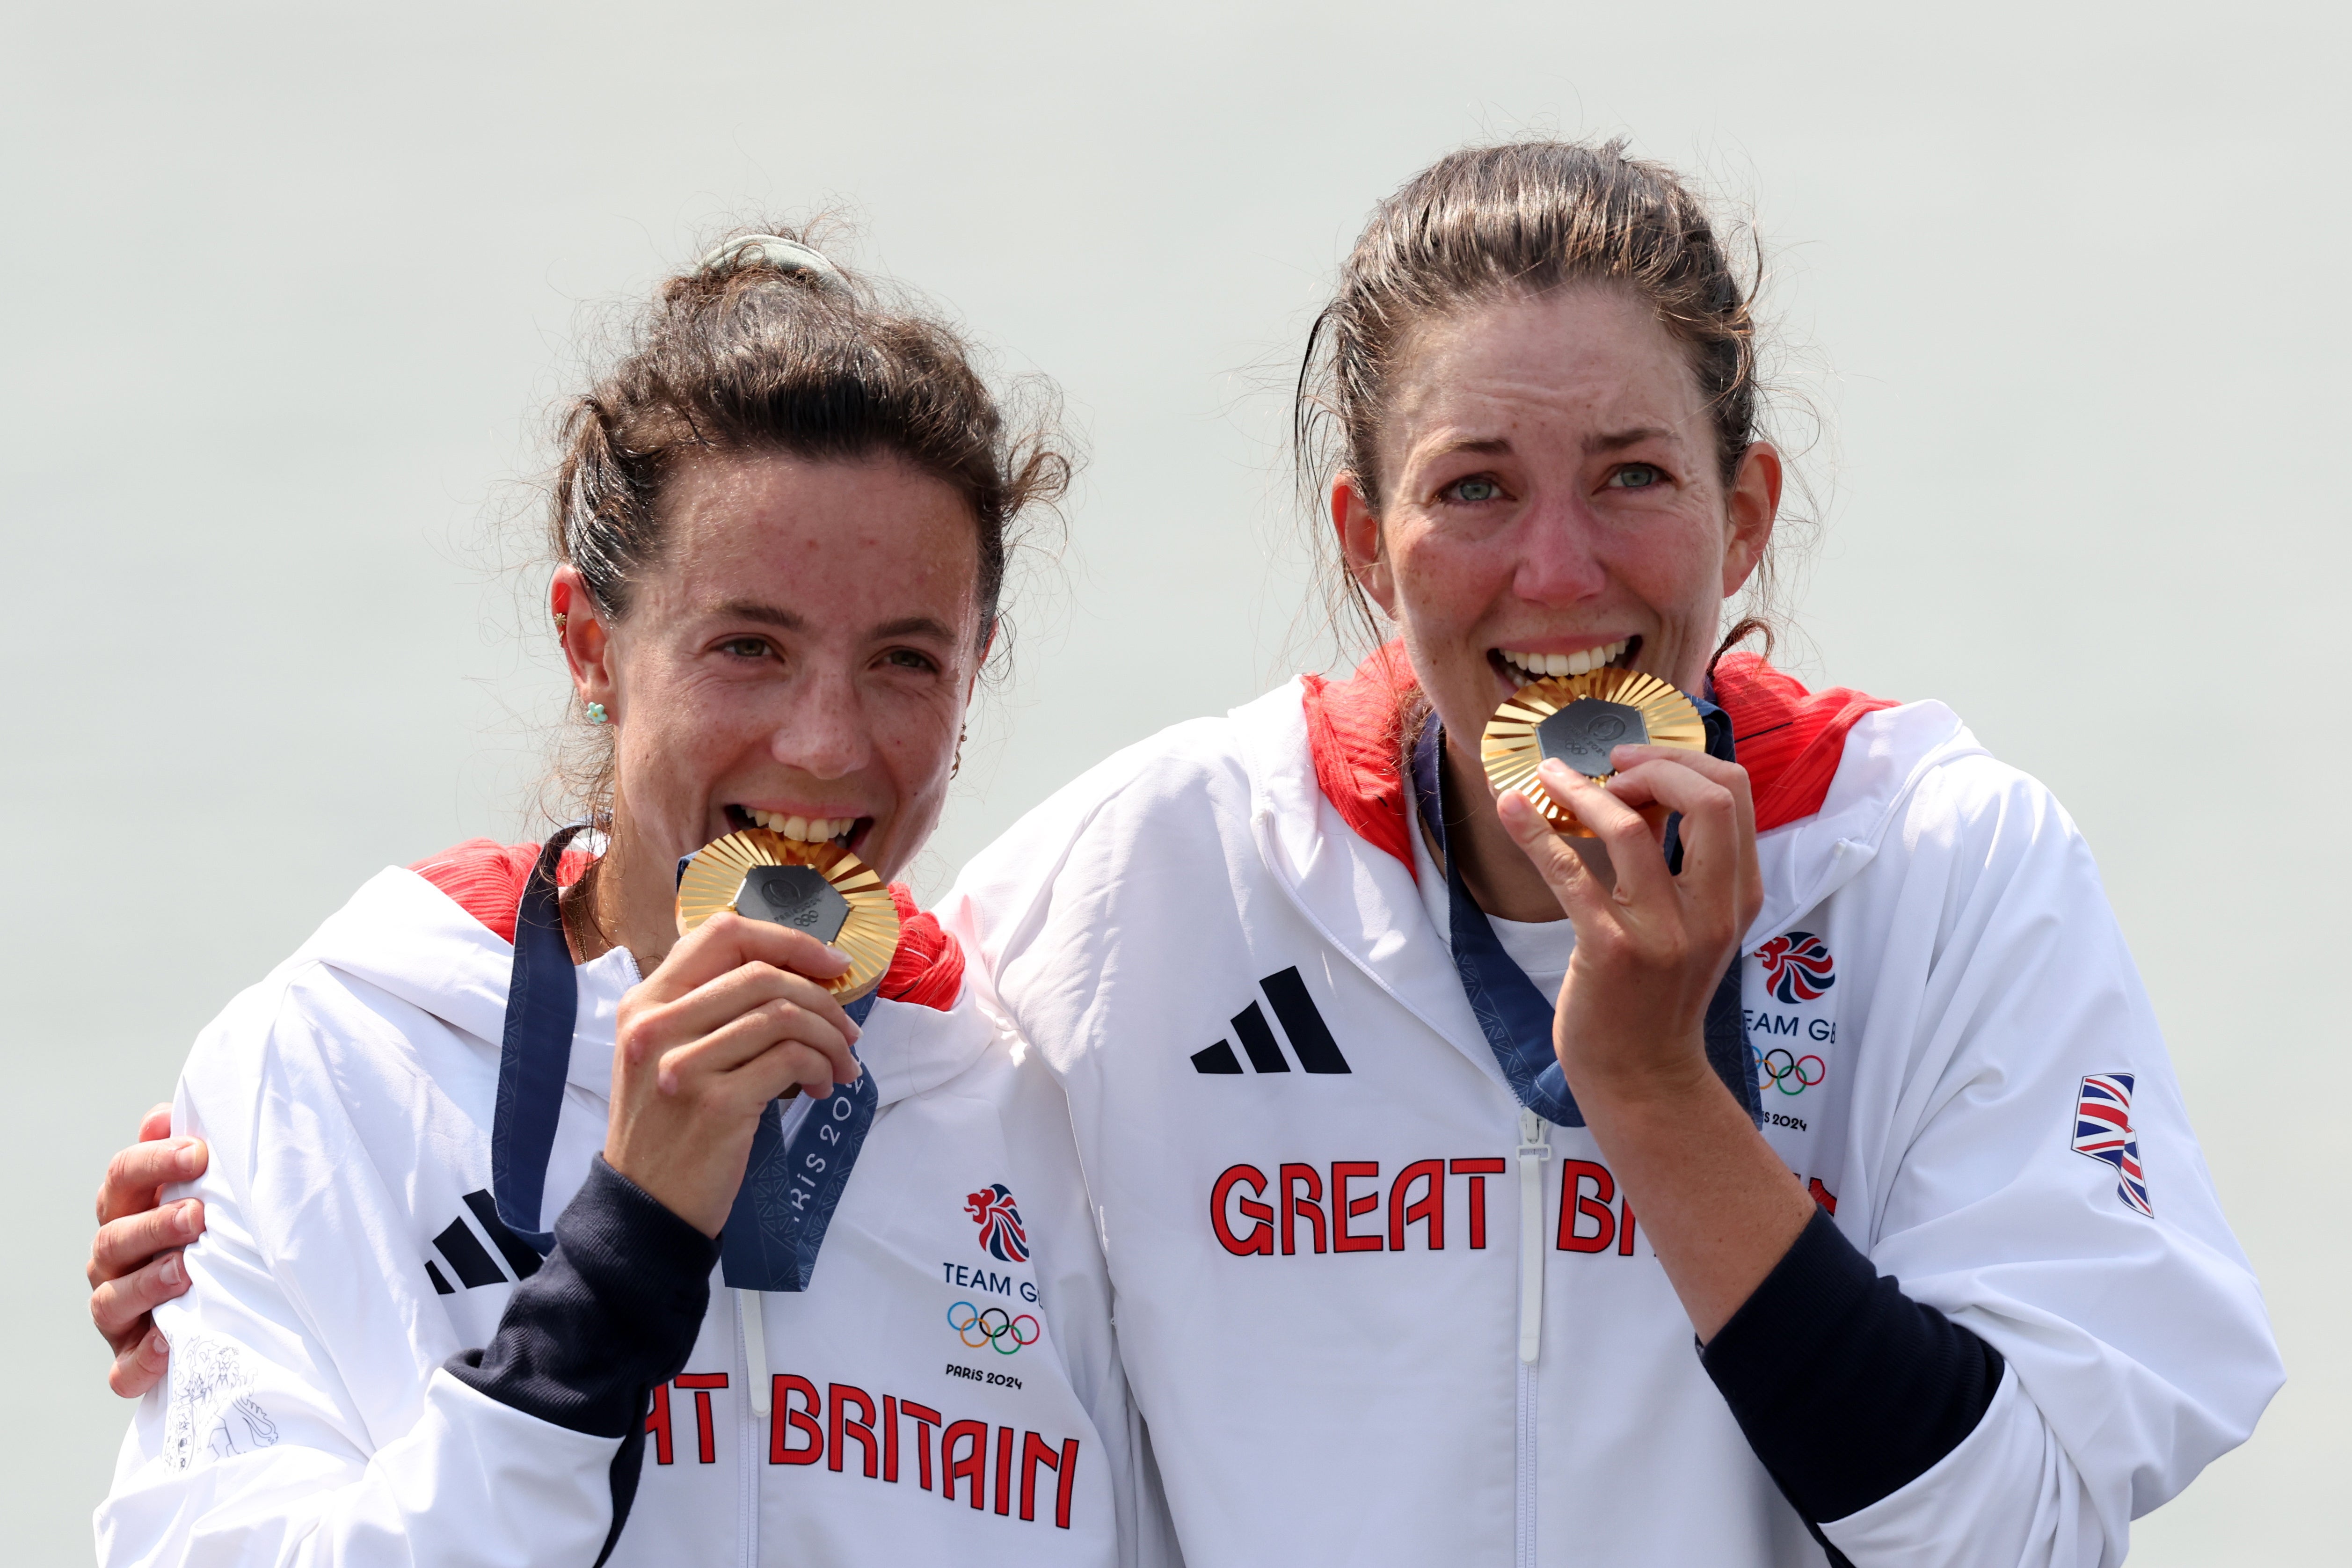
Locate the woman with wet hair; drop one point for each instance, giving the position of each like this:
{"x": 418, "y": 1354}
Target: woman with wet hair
{"x": 480, "y": 1150}
{"x": 1425, "y": 1137}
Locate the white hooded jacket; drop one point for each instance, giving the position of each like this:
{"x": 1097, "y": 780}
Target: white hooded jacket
{"x": 1377, "y": 1314}
{"x": 927, "y": 1400}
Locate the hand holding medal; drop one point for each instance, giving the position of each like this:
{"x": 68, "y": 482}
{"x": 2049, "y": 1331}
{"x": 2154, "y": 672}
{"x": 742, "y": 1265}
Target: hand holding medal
{"x": 744, "y": 1012}
{"x": 818, "y": 887}
{"x": 1577, "y": 721}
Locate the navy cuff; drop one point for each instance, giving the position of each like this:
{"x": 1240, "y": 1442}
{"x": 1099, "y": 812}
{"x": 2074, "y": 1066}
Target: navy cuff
{"x": 1847, "y": 1389}
{"x": 616, "y": 1309}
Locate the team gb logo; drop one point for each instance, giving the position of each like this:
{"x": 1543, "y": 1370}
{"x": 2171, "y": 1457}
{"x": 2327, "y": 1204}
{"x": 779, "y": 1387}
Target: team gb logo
{"x": 1000, "y": 1222}
{"x": 1797, "y": 967}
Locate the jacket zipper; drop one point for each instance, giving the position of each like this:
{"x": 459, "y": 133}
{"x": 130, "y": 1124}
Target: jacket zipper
{"x": 753, "y": 1333}
{"x": 1535, "y": 1148}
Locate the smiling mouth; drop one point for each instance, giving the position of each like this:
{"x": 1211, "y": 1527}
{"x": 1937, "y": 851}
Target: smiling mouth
{"x": 843, "y": 831}
{"x": 1518, "y": 669}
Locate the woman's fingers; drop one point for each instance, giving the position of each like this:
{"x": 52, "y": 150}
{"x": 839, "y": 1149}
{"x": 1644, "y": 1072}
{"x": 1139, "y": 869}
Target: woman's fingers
{"x": 1709, "y": 832}
{"x": 134, "y": 1175}
{"x": 1562, "y": 870}
{"x": 140, "y": 1366}
{"x": 720, "y": 1058}
{"x": 754, "y": 991}
{"x": 119, "y": 1308}
{"x": 728, "y": 941}
{"x": 1719, "y": 829}
{"x": 1636, "y": 765}
{"x": 1633, "y": 846}
{"x": 126, "y": 1244}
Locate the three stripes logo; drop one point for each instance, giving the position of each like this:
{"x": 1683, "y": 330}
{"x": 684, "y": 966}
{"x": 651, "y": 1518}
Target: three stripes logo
{"x": 1311, "y": 1037}
{"x": 470, "y": 1259}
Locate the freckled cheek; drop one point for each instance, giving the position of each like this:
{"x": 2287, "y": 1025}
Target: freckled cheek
{"x": 1444, "y": 586}
{"x": 917, "y": 741}
{"x": 1678, "y": 576}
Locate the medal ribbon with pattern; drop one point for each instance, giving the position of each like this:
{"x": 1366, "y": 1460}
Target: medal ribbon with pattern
{"x": 791, "y": 1187}
{"x": 1517, "y": 1018}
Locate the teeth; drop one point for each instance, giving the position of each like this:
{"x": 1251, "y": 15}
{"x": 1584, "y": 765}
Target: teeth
{"x": 806, "y": 829}
{"x": 1543, "y": 664}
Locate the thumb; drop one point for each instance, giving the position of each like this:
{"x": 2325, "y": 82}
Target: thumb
{"x": 1562, "y": 870}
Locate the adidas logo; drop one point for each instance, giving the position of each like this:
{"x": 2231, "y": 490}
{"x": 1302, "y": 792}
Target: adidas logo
{"x": 470, "y": 1259}
{"x": 1311, "y": 1037}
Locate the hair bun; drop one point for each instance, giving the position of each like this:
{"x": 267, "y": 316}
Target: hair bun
{"x": 784, "y": 255}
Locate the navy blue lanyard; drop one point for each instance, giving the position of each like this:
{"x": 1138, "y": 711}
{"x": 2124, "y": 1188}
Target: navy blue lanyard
{"x": 1517, "y": 1018}
{"x": 790, "y": 1190}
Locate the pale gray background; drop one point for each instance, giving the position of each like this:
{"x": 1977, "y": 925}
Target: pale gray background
{"x": 289, "y": 289}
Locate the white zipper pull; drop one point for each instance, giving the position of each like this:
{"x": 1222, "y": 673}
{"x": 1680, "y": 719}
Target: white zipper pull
{"x": 1535, "y": 1148}
{"x": 755, "y": 1348}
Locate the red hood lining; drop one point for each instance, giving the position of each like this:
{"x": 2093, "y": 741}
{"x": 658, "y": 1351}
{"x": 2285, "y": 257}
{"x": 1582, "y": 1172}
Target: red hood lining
{"x": 485, "y": 878}
{"x": 1788, "y": 739}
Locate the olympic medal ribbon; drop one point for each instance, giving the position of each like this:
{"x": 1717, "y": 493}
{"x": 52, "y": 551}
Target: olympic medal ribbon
{"x": 791, "y": 1185}
{"x": 1512, "y": 1013}
{"x": 535, "y": 1055}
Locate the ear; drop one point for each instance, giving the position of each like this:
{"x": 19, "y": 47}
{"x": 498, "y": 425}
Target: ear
{"x": 1754, "y": 505}
{"x": 587, "y": 642}
{"x": 987, "y": 645}
{"x": 1360, "y": 546}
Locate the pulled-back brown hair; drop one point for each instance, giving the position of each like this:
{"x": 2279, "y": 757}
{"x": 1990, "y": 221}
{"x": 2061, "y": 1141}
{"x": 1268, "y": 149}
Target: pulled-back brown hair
{"x": 745, "y": 356}
{"x": 750, "y": 355}
{"x": 1522, "y": 219}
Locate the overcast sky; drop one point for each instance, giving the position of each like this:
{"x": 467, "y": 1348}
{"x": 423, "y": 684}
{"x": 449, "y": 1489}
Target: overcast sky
{"x": 291, "y": 290}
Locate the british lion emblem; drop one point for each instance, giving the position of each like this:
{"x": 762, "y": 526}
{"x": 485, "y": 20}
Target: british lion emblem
{"x": 1797, "y": 967}
{"x": 2103, "y": 1130}
{"x": 1000, "y": 1222}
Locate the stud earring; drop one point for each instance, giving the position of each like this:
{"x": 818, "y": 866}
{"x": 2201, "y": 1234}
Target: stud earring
{"x": 595, "y": 712}
{"x": 562, "y": 621}
{"x": 962, "y": 731}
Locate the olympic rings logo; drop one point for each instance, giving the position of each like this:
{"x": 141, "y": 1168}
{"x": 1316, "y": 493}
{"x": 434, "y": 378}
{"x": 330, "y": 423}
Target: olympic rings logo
{"x": 1790, "y": 1074}
{"x": 998, "y": 1330}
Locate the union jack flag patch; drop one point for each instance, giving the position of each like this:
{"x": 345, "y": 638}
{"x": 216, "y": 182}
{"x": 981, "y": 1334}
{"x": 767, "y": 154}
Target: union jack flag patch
{"x": 2103, "y": 1130}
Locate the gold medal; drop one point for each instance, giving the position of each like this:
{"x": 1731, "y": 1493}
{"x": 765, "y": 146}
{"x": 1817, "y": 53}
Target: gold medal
{"x": 821, "y": 889}
{"x": 1577, "y": 719}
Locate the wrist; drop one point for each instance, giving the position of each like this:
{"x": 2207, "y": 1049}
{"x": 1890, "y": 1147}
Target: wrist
{"x": 1651, "y": 1077}
{"x": 678, "y": 1191}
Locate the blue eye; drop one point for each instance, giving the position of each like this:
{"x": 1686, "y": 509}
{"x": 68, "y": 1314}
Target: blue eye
{"x": 1477, "y": 488}
{"x": 1637, "y": 476}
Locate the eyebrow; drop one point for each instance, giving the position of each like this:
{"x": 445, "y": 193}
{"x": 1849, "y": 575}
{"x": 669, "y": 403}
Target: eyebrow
{"x": 1618, "y": 440}
{"x": 785, "y": 620}
{"x": 766, "y": 614}
{"x": 914, "y": 627}
{"x": 1612, "y": 441}
{"x": 1489, "y": 445}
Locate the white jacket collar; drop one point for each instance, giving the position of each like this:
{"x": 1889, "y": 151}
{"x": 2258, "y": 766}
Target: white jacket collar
{"x": 1364, "y": 899}
{"x": 403, "y": 936}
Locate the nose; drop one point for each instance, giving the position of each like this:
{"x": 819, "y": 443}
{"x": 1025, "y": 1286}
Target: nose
{"x": 826, "y": 733}
{"x": 1558, "y": 563}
